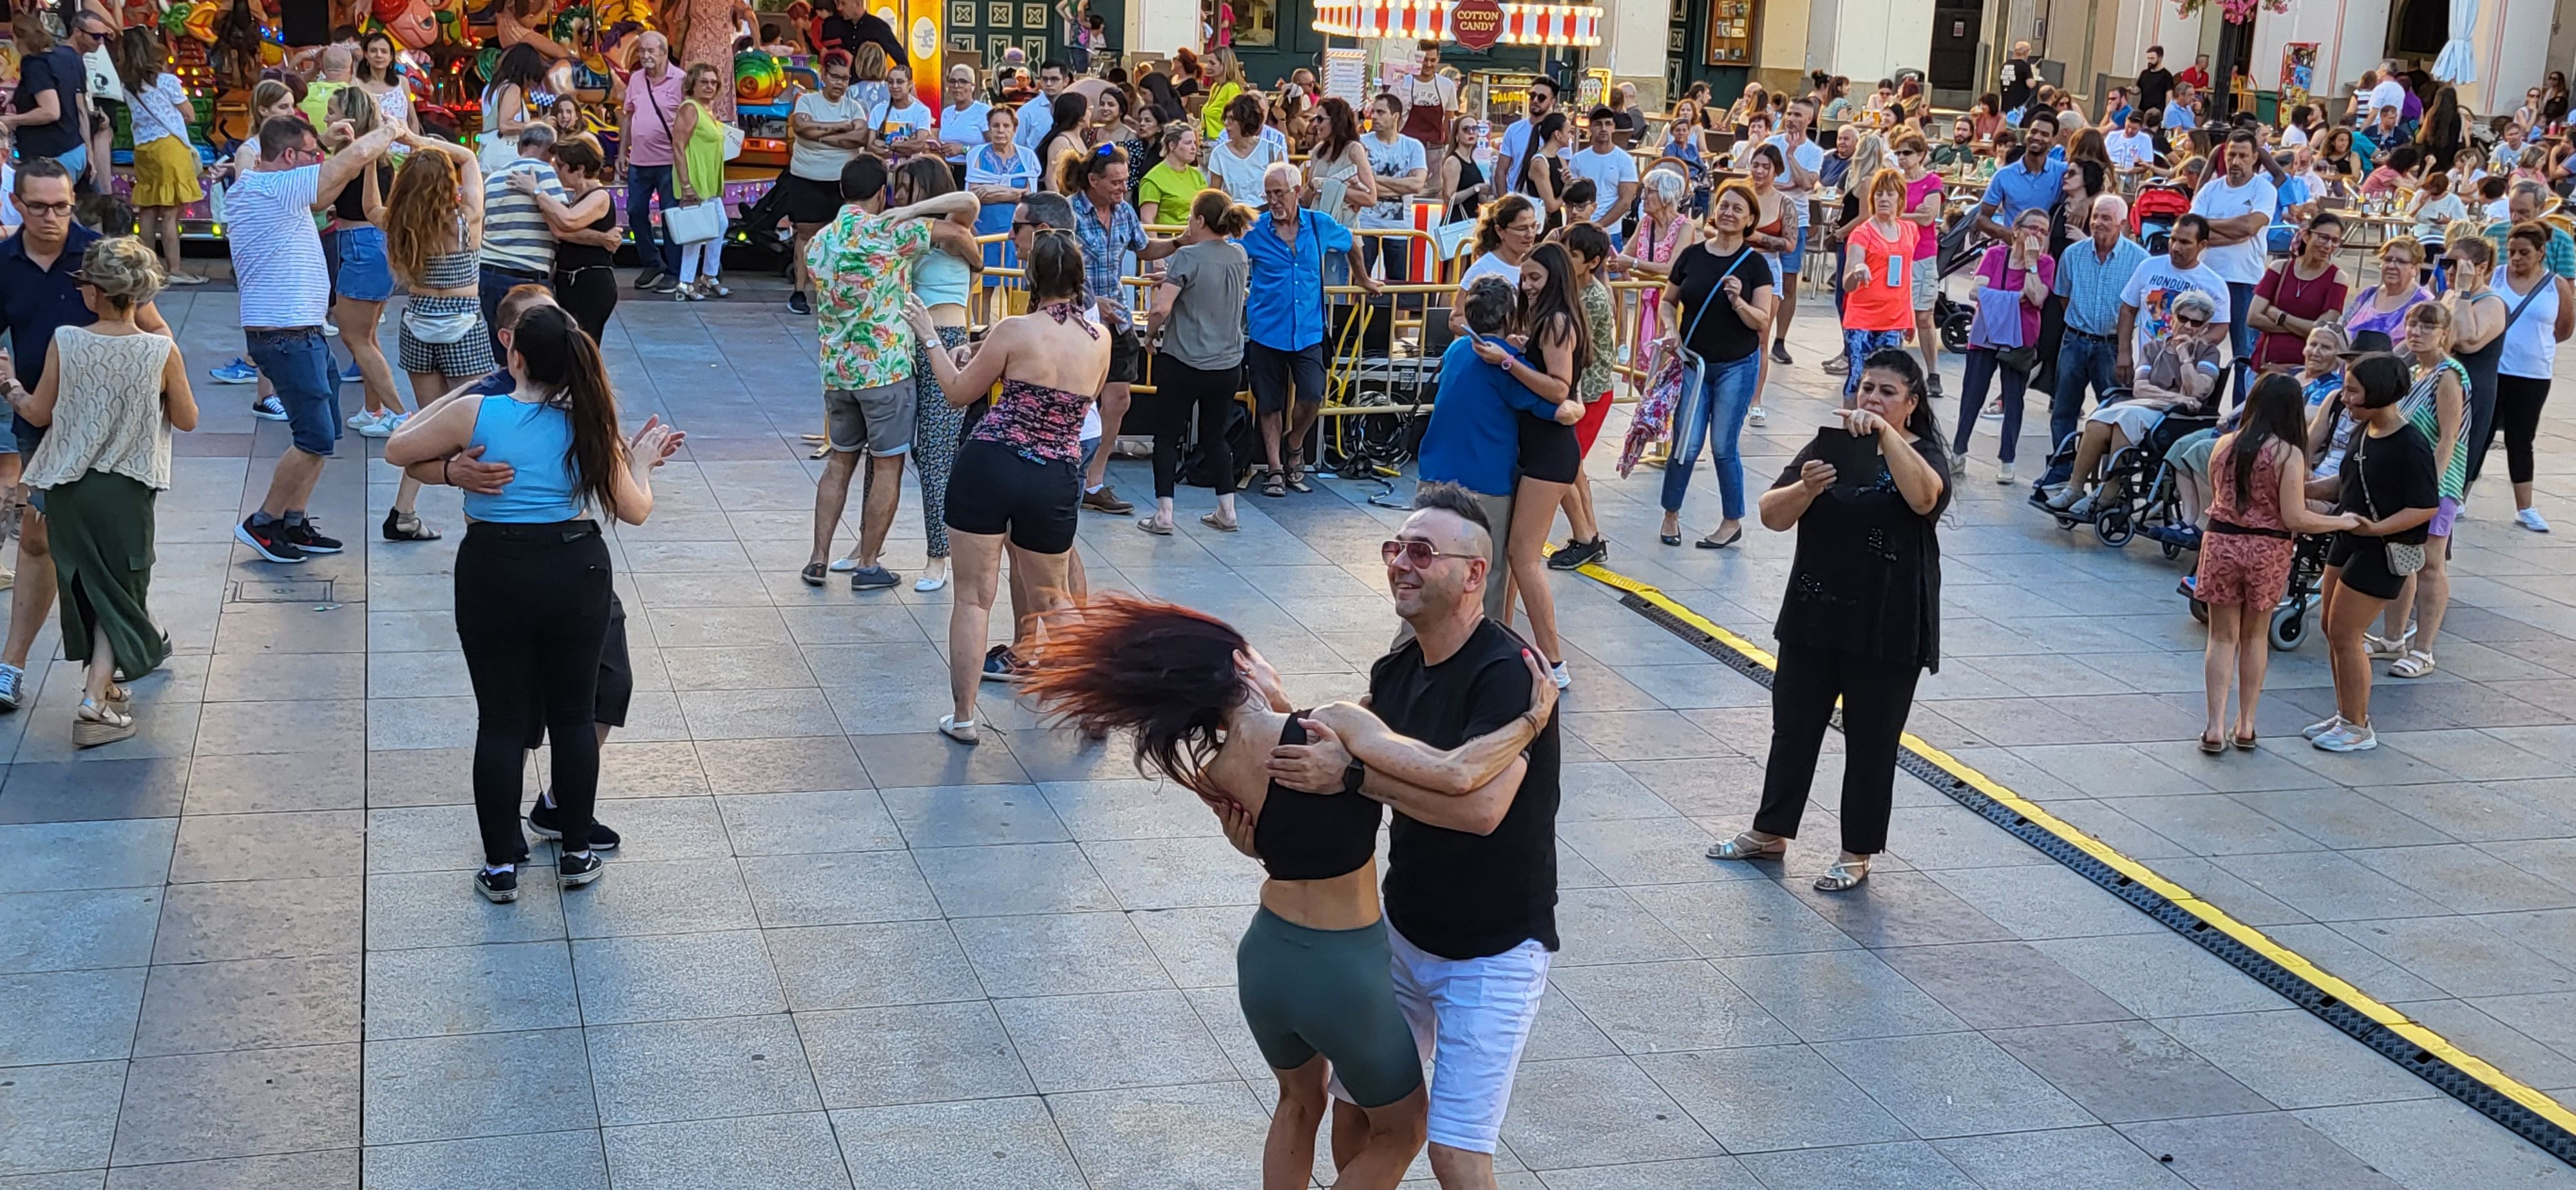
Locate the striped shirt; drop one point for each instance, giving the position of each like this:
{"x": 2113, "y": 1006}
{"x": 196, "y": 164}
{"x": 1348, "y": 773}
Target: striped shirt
{"x": 277, "y": 255}
{"x": 515, "y": 232}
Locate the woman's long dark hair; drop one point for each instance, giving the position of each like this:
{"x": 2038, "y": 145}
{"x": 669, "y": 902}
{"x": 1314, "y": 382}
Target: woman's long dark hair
{"x": 2276, "y": 409}
{"x": 926, "y": 176}
{"x": 1341, "y": 127}
{"x": 1555, "y": 300}
{"x": 1922, "y": 424}
{"x": 1547, "y": 127}
{"x": 560, "y": 357}
{"x": 139, "y": 58}
{"x": 1162, "y": 672}
{"x": 1158, "y": 92}
{"x": 520, "y": 66}
{"x": 393, "y": 66}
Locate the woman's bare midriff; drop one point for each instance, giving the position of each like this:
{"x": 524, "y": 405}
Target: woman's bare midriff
{"x": 1344, "y": 902}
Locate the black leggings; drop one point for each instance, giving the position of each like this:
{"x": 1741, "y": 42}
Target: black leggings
{"x": 2517, "y": 411}
{"x": 532, "y": 604}
{"x": 1877, "y": 696}
{"x": 1179, "y": 388}
{"x": 589, "y": 294}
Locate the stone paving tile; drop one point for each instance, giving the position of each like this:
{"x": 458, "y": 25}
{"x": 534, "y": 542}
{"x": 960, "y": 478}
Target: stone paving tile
{"x": 843, "y": 951}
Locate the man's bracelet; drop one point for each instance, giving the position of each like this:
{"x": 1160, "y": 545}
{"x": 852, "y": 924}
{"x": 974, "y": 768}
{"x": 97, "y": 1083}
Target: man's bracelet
{"x": 442, "y": 472}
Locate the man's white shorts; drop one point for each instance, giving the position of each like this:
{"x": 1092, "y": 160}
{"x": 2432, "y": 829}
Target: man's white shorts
{"x": 1470, "y": 1018}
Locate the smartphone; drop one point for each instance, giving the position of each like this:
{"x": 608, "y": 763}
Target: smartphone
{"x": 1854, "y": 457}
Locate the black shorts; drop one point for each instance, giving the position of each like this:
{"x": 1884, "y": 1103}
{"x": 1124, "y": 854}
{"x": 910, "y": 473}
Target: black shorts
{"x": 992, "y": 490}
{"x": 1126, "y": 357}
{"x": 1271, "y": 372}
{"x": 616, "y": 678}
{"x": 806, "y": 200}
{"x": 1549, "y": 452}
{"x": 2365, "y": 565}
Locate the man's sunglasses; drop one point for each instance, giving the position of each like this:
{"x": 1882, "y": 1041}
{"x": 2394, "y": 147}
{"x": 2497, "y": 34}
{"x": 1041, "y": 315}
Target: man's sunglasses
{"x": 1416, "y": 554}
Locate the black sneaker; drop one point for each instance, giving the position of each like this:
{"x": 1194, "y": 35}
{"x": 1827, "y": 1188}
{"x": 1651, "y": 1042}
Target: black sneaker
{"x": 308, "y": 538}
{"x": 547, "y": 821}
{"x": 500, "y": 888}
{"x": 1574, "y": 555}
{"x": 1003, "y": 665}
{"x": 798, "y": 303}
{"x": 1780, "y": 352}
{"x": 872, "y": 578}
{"x": 573, "y": 871}
{"x": 647, "y": 280}
{"x": 270, "y": 541}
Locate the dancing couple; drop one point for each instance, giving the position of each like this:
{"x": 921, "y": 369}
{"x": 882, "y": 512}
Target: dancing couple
{"x": 1459, "y": 737}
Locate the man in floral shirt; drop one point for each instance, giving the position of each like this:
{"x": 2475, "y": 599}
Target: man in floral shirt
{"x": 862, "y": 268}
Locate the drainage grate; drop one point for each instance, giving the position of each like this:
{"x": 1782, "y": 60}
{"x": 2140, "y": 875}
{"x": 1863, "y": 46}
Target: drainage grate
{"x": 2459, "y": 1084}
{"x": 317, "y": 590}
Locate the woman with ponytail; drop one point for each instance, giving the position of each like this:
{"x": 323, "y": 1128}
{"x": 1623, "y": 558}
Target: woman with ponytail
{"x": 532, "y": 576}
{"x": 1312, "y": 971}
{"x": 1018, "y": 477}
{"x": 1198, "y": 311}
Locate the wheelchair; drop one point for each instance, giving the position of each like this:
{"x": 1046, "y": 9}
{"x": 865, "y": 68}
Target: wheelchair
{"x": 2289, "y": 624}
{"x": 2138, "y": 489}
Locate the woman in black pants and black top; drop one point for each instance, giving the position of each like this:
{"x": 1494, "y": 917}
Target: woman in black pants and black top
{"x": 1198, "y": 311}
{"x": 585, "y": 263}
{"x": 1314, "y": 967}
{"x": 532, "y": 576}
{"x": 1862, "y": 618}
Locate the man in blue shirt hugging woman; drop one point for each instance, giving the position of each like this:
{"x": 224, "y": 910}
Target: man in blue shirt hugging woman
{"x": 1474, "y": 436}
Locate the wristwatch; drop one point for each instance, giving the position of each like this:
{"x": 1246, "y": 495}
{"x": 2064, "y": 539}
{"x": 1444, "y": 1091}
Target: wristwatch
{"x": 1352, "y": 775}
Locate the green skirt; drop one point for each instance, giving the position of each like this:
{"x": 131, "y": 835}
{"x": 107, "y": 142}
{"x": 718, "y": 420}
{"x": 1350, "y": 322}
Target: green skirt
{"x": 100, "y": 527}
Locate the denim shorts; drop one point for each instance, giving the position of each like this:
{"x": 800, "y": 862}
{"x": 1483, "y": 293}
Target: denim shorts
{"x": 297, "y": 362}
{"x": 365, "y": 274}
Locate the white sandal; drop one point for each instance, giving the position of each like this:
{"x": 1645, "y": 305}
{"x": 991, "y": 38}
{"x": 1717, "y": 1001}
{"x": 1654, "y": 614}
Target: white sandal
{"x": 2383, "y": 649}
{"x": 2415, "y": 664}
{"x": 963, "y": 733}
{"x": 100, "y": 723}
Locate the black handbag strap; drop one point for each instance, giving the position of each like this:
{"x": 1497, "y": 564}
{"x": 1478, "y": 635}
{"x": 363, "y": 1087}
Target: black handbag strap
{"x": 1713, "y": 295}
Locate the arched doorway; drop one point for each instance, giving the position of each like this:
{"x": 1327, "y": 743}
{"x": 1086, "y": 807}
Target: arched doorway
{"x": 2418, "y": 28}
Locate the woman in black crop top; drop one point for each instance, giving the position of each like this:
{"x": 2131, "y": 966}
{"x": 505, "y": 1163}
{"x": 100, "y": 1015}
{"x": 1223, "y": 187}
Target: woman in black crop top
{"x": 585, "y": 272}
{"x": 1312, "y": 970}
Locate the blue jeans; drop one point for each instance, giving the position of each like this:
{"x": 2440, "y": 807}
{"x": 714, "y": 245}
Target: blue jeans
{"x": 642, "y": 183}
{"x": 2081, "y": 361}
{"x": 297, "y": 362}
{"x": 1857, "y": 346}
{"x": 1981, "y": 369}
{"x": 2240, "y": 338}
{"x": 1723, "y": 397}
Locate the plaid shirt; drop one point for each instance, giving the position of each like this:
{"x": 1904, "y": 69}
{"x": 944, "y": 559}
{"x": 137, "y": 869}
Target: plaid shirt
{"x": 1105, "y": 249}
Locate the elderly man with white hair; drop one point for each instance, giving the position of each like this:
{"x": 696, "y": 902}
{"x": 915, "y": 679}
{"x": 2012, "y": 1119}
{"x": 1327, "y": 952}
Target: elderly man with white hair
{"x": 962, "y": 117}
{"x": 2091, "y": 273}
{"x": 1286, "y": 318}
{"x": 644, "y": 120}
{"x": 2177, "y": 372}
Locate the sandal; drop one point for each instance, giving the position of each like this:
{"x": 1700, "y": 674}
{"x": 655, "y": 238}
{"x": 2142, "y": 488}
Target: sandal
{"x": 1211, "y": 520}
{"x": 1297, "y": 479}
{"x": 406, "y": 526}
{"x": 2415, "y": 664}
{"x": 1843, "y": 876}
{"x": 963, "y": 733}
{"x": 1745, "y": 847}
{"x": 1275, "y": 486}
{"x": 814, "y": 573}
{"x": 2246, "y": 742}
{"x": 2213, "y": 745}
{"x": 94, "y": 724}
{"x": 2381, "y": 648}
{"x": 1155, "y": 527}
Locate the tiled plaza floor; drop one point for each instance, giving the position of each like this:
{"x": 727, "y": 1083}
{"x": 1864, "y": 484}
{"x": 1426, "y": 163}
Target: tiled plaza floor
{"x": 838, "y": 951}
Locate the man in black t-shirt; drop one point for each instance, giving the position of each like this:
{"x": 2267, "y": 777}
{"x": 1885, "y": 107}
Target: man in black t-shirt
{"x": 1471, "y": 874}
{"x": 2155, "y": 83}
{"x": 46, "y": 113}
{"x": 2019, "y": 76}
{"x": 851, "y": 25}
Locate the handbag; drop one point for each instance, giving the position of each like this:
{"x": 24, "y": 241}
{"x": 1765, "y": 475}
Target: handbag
{"x": 450, "y": 326}
{"x": 733, "y": 138}
{"x": 2403, "y": 559}
{"x": 1674, "y": 378}
{"x": 694, "y": 223}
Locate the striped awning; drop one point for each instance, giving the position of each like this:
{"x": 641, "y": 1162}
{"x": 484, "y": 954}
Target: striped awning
{"x": 1417, "y": 20}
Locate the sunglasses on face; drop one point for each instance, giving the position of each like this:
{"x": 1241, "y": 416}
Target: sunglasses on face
{"x": 2190, "y": 323}
{"x": 1415, "y": 554}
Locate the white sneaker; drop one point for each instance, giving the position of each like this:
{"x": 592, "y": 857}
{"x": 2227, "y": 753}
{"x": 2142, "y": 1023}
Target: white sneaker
{"x": 2004, "y": 475}
{"x": 2080, "y": 509}
{"x": 2322, "y": 726}
{"x": 2065, "y": 498}
{"x": 2348, "y": 738}
{"x": 1994, "y": 410}
{"x": 1756, "y": 416}
{"x": 1560, "y": 675}
{"x": 2530, "y": 518}
{"x": 382, "y": 427}
{"x": 360, "y": 419}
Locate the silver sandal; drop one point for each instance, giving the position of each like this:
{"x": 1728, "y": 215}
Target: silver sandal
{"x": 1843, "y": 876}
{"x": 1745, "y": 847}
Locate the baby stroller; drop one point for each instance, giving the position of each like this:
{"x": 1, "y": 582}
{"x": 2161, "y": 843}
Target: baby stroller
{"x": 2152, "y": 216}
{"x": 1960, "y": 250}
{"x": 2289, "y": 623}
{"x": 2137, "y": 487}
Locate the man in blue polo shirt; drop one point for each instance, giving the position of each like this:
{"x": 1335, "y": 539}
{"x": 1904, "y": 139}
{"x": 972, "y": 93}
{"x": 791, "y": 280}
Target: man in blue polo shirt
{"x": 1473, "y": 439}
{"x": 1286, "y": 318}
{"x": 39, "y": 296}
{"x": 2091, "y": 274}
{"x": 2032, "y": 182}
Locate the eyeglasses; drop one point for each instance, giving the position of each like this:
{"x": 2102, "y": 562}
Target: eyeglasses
{"x": 54, "y": 209}
{"x": 1416, "y": 554}
{"x": 2186, "y": 320}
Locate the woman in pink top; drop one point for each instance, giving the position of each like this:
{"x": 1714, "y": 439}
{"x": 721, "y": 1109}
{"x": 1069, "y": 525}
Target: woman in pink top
{"x": 1662, "y": 232}
{"x": 2012, "y": 283}
{"x": 1878, "y": 277}
{"x": 1925, "y": 200}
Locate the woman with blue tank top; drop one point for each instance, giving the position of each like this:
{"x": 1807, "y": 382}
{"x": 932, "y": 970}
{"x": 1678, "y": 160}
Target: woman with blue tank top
{"x": 942, "y": 278}
{"x": 532, "y": 576}
{"x": 1312, "y": 972}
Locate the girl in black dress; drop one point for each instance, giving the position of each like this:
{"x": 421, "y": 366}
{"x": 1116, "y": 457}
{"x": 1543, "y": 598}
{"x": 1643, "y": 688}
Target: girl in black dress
{"x": 1555, "y": 348}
